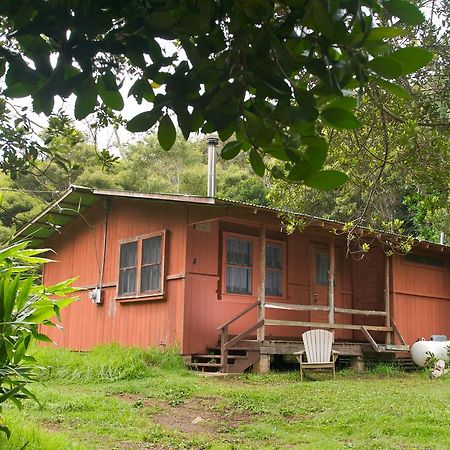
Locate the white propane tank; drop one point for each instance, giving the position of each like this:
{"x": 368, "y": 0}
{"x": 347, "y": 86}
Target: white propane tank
{"x": 438, "y": 348}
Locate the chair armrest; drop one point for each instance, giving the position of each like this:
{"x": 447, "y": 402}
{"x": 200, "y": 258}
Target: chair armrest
{"x": 299, "y": 355}
{"x": 335, "y": 352}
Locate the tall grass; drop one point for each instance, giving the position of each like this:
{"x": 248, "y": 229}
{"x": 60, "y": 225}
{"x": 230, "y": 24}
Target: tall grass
{"x": 26, "y": 434}
{"x": 108, "y": 363}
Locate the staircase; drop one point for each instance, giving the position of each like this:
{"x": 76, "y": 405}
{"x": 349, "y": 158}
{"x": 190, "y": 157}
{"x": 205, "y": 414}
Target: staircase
{"x": 239, "y": 358}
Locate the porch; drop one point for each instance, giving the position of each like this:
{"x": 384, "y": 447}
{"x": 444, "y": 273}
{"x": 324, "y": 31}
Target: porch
{"x": 277, "y": 331}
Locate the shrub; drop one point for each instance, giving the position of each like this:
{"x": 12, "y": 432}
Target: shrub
{"x": 24, "y": 304}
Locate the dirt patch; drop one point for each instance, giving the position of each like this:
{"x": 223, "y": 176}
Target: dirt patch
{"x": 51, "y": 425}
{"x": 196, "y": 415}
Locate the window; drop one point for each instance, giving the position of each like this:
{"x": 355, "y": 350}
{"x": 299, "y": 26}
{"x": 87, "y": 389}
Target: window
{"x": 434, "y": 261}
{"x": 128, "y": 268}
{"x": 274, "y": 270}
{"x": 239, "y": 266}
{"x": 241, "y": 272}
{"x": 321, "y": 268}
{"x": 141, "y": 266}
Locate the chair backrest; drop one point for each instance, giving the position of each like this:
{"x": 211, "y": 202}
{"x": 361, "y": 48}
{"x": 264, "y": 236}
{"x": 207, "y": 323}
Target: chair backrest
{"x": 318, "y": 345}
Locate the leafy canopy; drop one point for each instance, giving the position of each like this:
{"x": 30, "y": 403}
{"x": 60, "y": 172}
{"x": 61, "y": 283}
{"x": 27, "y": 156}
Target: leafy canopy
{"x": 262, "y": 71}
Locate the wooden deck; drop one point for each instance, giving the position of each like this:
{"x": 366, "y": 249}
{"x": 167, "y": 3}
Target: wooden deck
{"x": 251, "y": 353}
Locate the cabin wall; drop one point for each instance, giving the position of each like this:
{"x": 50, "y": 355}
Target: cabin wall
{"x": 146, "y": 322}
{"x": 368, "y": 290}
{"x": 421, "y": 298}
{"x": 206, "y": 304}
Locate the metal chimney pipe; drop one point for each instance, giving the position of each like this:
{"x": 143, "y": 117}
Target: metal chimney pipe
{"x": 441, "y": 238}
{"x": 212, "y": 141}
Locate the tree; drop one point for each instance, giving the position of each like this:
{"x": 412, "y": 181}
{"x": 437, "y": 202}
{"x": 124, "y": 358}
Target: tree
{"x": 146, "y": 167}
{"x": 262, "y": 71}
{"x": 399, "y": 160}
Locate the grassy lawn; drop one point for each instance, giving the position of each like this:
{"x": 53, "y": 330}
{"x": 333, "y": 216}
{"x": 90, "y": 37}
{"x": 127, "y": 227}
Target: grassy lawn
{"x": 114, "y": 398}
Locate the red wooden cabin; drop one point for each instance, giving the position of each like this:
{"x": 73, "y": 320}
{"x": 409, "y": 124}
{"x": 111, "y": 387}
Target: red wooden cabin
{"x": 214, "y": 275}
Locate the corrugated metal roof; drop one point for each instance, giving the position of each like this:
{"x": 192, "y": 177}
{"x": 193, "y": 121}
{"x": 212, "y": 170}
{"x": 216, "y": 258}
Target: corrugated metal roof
{"x": 78, "y": 198}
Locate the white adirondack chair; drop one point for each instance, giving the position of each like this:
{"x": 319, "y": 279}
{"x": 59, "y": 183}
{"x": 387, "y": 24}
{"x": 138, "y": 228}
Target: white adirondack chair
{"x": 318, "y": 350}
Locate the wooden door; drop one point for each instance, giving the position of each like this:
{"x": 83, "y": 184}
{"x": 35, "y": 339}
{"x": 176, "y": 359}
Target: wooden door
{"x": 319, "y": 282}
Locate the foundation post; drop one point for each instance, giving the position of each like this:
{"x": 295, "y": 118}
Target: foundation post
{"x": 358, "y": 363}
{"x": 263, "y": 365}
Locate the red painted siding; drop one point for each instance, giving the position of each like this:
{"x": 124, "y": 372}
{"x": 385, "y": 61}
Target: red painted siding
{"x": 194, "y": 304}
{"x": 206, "y": 307}
{"x": 79, "y": 252}
{"x": 368, "y": 290}
{"x": 421, "y": 303}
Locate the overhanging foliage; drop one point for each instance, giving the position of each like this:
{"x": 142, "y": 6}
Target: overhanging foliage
{"x": 264, "y": 72}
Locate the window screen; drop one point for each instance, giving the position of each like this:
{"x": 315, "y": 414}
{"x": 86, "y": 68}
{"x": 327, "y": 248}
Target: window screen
{"x": 239, "y": 271}
{"x": 321, "y": 268}
{"x": 151, "y": 264}
{"x": 274, "y": 270}
{"x": 128, "y": 269}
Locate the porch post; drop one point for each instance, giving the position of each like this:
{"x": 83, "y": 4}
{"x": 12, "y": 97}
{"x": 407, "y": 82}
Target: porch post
{"x": 387, "y": 300}
{"x": 262, "y": 282}
{"x": 331, "y": 277}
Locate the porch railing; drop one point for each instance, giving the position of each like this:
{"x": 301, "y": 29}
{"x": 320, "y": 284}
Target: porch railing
{"x": 226, "y": 343}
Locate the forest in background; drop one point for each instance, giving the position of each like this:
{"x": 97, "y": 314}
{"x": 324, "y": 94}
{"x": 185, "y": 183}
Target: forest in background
{"x": 398, "y": 161}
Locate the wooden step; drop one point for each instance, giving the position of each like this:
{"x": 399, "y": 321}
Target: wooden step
{"x": 393, "y": 348}
{"x": 217, "y": 356}
{"x": 198, "y": 364}
{"x": 232, "y": 349}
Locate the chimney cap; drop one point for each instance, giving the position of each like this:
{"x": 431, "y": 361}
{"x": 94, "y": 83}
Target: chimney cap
{"x": 212, "y": 139}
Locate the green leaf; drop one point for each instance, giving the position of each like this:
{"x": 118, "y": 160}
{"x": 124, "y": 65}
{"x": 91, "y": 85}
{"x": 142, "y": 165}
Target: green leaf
{"x": 166, "y": 133}
{"x": 141, "y": 89}
{"x": 346, "y": 102}
{"x": 412, "y": 58}
{"x": 42, "y": 337}
{"x": 386, "y": 66}
{"x": 277, "y": 152}
{"x": 86, "y": 99}
{"x": 231, "y": 150}
{"x": 324, "y": 22}
{"x": 300, "y": 171}
{"x": 143, "y": 121}
{"x": 316, "y": 152}
{"x": 10, "y": 392}
{"x": 340, "y": 118}
{"x": 109, "y": 92}
{"x": 257, "y": 9}
{"x": 392, "y": 88}
{"x": 257, "y": 162}
{"x": 17, "y": 90}
{"x": 380, "y": 33}
{"x": 259, "y": 133}
{"x": 326, "y": 179}
{"x": 408, "y": 13}
{"x": 40, "y": 314}
{"x": 24, "y": 291}
{"x": 10, "y": 298}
